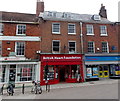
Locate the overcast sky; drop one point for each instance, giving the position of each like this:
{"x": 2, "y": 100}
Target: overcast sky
{"x": 74, "y": 6}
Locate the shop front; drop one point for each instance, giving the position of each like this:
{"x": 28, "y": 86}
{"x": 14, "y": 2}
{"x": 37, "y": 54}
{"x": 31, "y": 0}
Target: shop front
{"x": 102, "y": 67}
{"x": 18, "y": 70}
{"x": 61, "y": 68}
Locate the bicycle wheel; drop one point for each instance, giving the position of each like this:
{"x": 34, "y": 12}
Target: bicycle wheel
{"x": 40, "y": 90}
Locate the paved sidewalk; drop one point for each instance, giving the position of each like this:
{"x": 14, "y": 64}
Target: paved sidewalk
{"x": 69, "y": 85}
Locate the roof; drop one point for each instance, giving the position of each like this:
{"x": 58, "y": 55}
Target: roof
{"x": 14, "y": 16}
{"x": 67, "y": 16}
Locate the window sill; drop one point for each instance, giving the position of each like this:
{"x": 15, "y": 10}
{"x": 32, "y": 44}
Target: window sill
{"x": 91, "y": 34}
{"x": 21, "y": 34}
{"x": 103, "y": 35}
{"x": 71, "y": 33}
{"x": 56, "y": 33}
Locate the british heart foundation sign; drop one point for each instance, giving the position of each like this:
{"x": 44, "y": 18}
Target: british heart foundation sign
{"x": 61, "y": 57}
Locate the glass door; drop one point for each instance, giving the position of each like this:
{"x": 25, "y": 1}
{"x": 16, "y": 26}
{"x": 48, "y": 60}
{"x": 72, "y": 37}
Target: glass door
{"x": 103, "y": 71}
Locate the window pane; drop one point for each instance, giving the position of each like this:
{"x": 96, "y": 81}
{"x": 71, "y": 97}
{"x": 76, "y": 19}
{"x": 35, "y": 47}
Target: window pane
{"x": 89, "y": 29}
{"x": 56, "y": 46}
{"x": 72, "y": 47}
{"x": 103, "y": 30}
{"x": 104, "y": 47}
{"x": 21, "y": 29}
{"x": 91, "y": 47}
{"x": 20, "y": 47}
{"x": 56, "y": 27}
{"x": 71, "y": 28}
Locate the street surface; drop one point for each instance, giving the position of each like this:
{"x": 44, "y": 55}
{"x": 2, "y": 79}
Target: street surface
{"x": 91, "y": 91}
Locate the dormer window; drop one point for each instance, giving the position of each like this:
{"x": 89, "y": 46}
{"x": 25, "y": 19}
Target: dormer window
{"x": 96, "y": 17}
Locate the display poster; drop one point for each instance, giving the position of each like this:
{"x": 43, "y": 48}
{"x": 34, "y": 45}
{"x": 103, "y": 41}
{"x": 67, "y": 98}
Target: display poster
{"x": 89, "y": 71}
{"x": 95, "y": 71}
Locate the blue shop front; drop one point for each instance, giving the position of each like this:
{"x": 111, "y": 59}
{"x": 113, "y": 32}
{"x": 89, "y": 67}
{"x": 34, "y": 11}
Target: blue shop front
{"x": 102, "y": 66}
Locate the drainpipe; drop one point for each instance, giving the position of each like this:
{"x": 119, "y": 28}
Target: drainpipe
{"x": 82, "y": 50}
{"x": 81, "y": 37}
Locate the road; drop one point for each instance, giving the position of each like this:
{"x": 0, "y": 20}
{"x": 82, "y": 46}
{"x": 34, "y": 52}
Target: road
{"x": 102, "y": 91}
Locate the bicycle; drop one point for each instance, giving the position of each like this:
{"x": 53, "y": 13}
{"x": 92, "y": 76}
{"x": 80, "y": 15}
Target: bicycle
{"x": 36, "y": 88}
{"x": 10, "y": 89}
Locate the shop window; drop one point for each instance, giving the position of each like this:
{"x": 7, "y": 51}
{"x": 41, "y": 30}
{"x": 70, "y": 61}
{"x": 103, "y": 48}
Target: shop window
{"x": 21, "y": 30}
{"x": 50, "y": 75}
{"x": 25, "y": 72}
{"x": 56, "y": 46}
{"x": 91, "y": 47}
{"x": 72, "y": 47}
{"x": 20, "y": 48}
{"x": 71, "y": 29}
{"x": 3, "y": 72}
{"x": 105, "y": 47}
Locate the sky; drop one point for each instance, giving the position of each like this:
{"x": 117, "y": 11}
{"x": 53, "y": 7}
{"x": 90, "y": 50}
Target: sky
{"x": 74, "y": 6}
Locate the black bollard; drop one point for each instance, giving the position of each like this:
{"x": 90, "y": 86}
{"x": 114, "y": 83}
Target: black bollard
{"x": 23, "y": 88}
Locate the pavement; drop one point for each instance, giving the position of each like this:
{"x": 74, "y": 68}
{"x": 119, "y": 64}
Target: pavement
{"x": 65, "y": 85}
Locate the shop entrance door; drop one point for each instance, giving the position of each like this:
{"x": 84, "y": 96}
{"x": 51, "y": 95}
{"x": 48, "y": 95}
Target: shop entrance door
{"x": 12, "y": 73}
{"x": 62, "y": 75}
{"x": 103, "y": 72}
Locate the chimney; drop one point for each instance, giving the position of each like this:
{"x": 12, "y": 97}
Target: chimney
{"x": 39, "y": 7}
{"x": 103, "y": 11}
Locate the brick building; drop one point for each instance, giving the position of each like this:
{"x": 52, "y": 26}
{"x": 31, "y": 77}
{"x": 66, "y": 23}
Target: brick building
{"x": 72, "y": 46}
{"x": 19, "y": 45}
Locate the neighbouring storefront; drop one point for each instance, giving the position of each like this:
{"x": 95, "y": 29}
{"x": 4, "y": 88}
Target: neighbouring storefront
{"x": 62, "y": 68}
{"x": 102, "y": 66}
{"x": 18, "y": 70}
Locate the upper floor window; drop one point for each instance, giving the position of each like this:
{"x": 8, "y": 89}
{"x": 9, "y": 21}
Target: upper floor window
{"x": 20, "y": 48}
{"x": 72, "y": 46}
{"x": 89, "y": 29}
{"x": 91, "y": 47}
{"x": 55, "y": 46}
{"x": 56, "y": 28}
{"x": 71, "y": 29}
{"x": 105, "y": 47}
{"x": 21, "y": 29}
{"x": 1, "y": 28}
{"x": 103, "y": 30}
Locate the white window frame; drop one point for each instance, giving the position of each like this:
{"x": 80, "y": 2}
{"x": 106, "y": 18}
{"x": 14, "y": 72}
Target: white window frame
{"x": 1, "y": 28}
{"x": 89, "y": 29}
{"x": 52, "y": 46}
{"x": 16, "y": 48}
{"x": 69, "y": 47}
{"x": 74, "y": 28}
{"x": 21, "y": 29}
{"x": 53, "y": 28}
{"x": 107, "y": 47}
{"x": 92, "y": 47}
{"x": 103, "y": 30}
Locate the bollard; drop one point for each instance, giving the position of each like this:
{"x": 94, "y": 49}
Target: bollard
{"x": 23, "y": 88}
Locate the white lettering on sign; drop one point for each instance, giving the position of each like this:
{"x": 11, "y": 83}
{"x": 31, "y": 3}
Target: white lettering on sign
{"x": 58, "y": 58}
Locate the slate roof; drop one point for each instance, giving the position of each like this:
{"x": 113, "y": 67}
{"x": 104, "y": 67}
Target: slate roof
{"x": 58, "y": 16}
{"x": 14, "y": 16}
